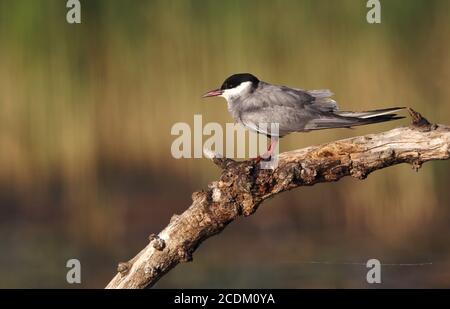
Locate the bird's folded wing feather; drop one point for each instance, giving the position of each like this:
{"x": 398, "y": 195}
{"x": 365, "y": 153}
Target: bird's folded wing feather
{"x": 291, "y": 108}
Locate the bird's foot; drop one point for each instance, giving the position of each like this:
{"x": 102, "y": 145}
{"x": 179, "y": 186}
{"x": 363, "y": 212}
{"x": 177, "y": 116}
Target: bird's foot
{"x": 262, "y": 158}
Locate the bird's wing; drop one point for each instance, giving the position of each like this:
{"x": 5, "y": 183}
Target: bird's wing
{"x": 315, "y": 100}
{"x": 296, "y": 110}
{"x": 291, "y": 108}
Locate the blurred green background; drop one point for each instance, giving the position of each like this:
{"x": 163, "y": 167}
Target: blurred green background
{"x": 86, "y": 111}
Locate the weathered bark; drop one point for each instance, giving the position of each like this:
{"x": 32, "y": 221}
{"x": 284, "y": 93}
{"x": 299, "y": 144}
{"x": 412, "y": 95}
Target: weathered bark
{"x": 243, "y": 186}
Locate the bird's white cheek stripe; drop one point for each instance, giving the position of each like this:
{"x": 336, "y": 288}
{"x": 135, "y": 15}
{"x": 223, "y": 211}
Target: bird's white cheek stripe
{"x": 242, "y": 88}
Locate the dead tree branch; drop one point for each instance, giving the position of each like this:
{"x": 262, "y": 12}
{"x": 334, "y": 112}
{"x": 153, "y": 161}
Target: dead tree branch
{"x": 243, "y": 186}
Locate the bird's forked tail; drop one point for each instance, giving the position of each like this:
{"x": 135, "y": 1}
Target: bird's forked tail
{"x": 345, "y": 119}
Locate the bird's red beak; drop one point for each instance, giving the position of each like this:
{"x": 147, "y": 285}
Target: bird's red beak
{"x": 213, "y": 93}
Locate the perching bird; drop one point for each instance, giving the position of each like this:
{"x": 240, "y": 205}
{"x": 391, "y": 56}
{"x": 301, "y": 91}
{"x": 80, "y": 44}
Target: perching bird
{"x": 252, "y": 102}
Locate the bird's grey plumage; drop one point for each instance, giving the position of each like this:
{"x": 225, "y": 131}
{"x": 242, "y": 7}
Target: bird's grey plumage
{"x": 295, "y": 110}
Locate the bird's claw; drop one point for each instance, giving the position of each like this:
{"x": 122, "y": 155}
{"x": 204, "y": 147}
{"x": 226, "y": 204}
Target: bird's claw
{"x": 261, "y": 158}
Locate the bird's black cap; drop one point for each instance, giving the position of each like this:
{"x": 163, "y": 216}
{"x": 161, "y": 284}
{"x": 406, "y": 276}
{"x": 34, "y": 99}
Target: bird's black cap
{"x": 236, "y": 79}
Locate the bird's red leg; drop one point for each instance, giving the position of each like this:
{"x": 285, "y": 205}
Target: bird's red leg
{"x": 273, "y": 144}
{"x": 259, "y": 158}
{"x": 270, "y": 148}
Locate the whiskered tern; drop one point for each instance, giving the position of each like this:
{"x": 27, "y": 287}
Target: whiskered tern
{"x": 253, "y": 102}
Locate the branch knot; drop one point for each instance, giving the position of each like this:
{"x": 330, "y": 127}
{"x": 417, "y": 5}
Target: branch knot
{"x": 157, "y": 242}
{"x": 420, "y": 122}
{"x": 123, "y": 268}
